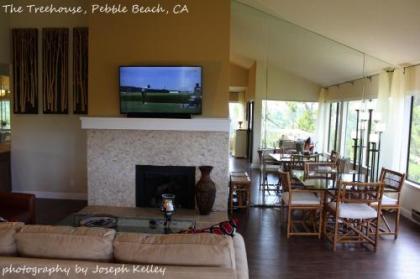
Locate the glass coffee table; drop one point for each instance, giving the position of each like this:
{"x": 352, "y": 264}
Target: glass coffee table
{"x": 128, "y": 224}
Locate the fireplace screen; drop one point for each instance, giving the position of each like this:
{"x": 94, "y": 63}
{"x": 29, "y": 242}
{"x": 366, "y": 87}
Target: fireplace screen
{"x": 153, "y": 181}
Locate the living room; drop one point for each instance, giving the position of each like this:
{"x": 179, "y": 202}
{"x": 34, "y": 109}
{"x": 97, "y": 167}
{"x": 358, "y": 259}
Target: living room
{"x": 244, "y": 79}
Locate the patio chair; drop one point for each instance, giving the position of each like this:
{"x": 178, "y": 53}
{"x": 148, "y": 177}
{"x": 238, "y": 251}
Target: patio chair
{"x": 267, "y": 166}
{"x": 319, "y": 170}
{"x": 393, "y": 183}
{"x": 350, "y": 216}
{"x": 303, "y": 200}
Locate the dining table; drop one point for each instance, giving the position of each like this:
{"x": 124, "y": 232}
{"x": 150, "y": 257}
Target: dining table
{"x": 326, "y": 183}
{"x": 287, "y": 157}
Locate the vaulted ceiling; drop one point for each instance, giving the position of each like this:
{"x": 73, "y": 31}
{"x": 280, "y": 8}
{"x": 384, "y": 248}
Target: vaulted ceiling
{"x": 385, "y": 29}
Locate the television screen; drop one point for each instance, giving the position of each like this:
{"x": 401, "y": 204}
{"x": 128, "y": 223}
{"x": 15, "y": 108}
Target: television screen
{"x": 160, "y": 90}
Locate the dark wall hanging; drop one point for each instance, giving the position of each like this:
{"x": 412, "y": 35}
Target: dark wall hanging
{"x": 80, "y": 70}
{"x": 55, "y": 51}
{"x": 25, "y": 70}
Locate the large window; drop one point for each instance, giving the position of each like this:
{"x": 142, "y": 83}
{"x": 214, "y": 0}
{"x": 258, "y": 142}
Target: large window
{"x": 351, "y": 125}
{"x": 333, "y": 125}
{"x": 413, "y": 166}
{"x": 293, "y": 120}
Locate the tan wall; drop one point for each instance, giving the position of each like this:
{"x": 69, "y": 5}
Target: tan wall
{"x": 49, "y": 151}
{"x": 238, "y": 76}
{"x": 201, "y": 37}
{"x": 284, "y": 86}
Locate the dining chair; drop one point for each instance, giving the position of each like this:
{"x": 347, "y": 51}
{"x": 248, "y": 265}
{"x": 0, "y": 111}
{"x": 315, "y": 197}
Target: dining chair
{"x": 350, "y": 216}
{"x": 267, "y": 166}
{"x": 334, "y": 156}
{"x": 319, "y": 170}
{"x": 305, "y": 201}
{"x": 296, "y": 162}
{"x": 393, "y": 183}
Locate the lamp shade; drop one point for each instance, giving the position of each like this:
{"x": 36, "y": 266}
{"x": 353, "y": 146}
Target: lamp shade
{"x": 370, "y": 105}
{"x": 377, "y": 116}
{"x": 374, "y": 138}
{"x": 364, "y": 116}
{"x": 380, "y": 127}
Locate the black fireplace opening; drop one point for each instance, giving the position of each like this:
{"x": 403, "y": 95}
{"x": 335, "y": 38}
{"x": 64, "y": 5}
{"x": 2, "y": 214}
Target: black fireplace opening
{"x": 153, "y": 181}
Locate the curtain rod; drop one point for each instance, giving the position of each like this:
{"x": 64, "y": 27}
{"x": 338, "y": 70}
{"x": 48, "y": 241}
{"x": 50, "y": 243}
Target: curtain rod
{"x": 409, "y": 66}
{"x": 351, "y": 81}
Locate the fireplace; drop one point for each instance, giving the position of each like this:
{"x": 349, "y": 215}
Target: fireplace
{"x": 153, "y": 181}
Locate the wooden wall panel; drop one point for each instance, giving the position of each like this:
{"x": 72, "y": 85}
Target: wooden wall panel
{"x": 25, "y": 70}
{"x": 55, "y": 51}
{"x": 80, "y": 70}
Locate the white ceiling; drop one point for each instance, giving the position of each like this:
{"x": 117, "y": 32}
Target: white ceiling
{"x": 387, "y": 29}
{"x": 256, "y": 36}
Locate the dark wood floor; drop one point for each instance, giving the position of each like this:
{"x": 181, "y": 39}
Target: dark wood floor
{"x": 271, "y": 255}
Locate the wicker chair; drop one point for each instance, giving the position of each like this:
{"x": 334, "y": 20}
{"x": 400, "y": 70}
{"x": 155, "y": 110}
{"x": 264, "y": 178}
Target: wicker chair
{"x": 267, "y": 166}
{"x": 393, "y": 183}
{"x": 319, "y": 170}
{"x": 350, "y": 218}
{"x": 305, "y": 200}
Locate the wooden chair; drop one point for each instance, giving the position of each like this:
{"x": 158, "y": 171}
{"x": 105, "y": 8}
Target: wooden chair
{"x": 304, "y": 200}
{"x": 267, "y": 166}
{"x": 334, "y": 156}
{"x": 393, "y": 183}
{"x": 296, "y": 162}
{"x": 319, "y": 170}
{"x": 350, "y": 218}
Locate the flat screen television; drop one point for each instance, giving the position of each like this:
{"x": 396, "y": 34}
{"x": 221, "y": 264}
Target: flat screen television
{"x": 174, "y": 91}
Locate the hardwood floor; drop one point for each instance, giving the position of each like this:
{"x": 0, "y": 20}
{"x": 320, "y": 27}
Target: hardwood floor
{"x": 271, "y": 255}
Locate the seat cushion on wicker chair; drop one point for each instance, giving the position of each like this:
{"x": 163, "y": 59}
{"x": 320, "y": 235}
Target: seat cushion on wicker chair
{"x": 302, "y": 198}
{"x": 271, "y": 168}
{"x": 355, "y": 210}
{"x": 387, "y": 201}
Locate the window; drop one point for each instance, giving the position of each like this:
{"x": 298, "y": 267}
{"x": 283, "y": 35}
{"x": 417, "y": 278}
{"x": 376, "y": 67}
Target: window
{"x": 351, "y": 125}
{"x": 294, "y": 120}
{"x": 333, "y": 125}
{"x": 4, "y": 120}
{"x": 5, "y": 114}
{"x": 413, "y": 166}
{"x": 236, "y": 115}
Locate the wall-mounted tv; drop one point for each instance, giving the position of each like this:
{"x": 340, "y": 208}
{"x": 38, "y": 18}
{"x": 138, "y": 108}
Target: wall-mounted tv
{"x": 160, "y": 90}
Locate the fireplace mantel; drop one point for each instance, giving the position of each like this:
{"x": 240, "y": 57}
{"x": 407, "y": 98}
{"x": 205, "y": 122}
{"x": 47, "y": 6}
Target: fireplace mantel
{"x": 156, "y": 124}
{"x": 115, "y": 146}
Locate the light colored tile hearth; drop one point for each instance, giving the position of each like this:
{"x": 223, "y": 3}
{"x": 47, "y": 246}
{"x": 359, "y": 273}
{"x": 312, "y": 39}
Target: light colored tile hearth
{"x": 114, "y": 154}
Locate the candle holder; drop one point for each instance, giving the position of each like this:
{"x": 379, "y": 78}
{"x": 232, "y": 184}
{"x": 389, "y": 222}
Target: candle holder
{"x": 168, "y": 207}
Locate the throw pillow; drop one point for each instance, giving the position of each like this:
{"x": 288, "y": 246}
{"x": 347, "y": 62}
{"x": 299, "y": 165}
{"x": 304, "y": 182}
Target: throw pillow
{"x": 223, "y": 228}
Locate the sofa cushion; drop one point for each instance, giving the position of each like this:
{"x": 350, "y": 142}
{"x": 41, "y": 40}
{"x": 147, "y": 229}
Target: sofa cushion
{"x": 62, "y": 242}
{"x": 240, "y": 257}
{"x": 176, "y": 249}
{"x": 7, "y": 238}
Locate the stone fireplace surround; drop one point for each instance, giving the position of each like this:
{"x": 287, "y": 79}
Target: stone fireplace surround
{"x": 116, "y": 145}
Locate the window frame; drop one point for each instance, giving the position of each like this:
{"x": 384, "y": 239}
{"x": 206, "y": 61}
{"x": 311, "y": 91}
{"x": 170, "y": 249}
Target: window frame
{"x": 409, "y": 143}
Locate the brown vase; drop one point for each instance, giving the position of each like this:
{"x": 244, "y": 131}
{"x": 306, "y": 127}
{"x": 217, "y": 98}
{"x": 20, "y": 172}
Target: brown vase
{"x": 205, "y": 191}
